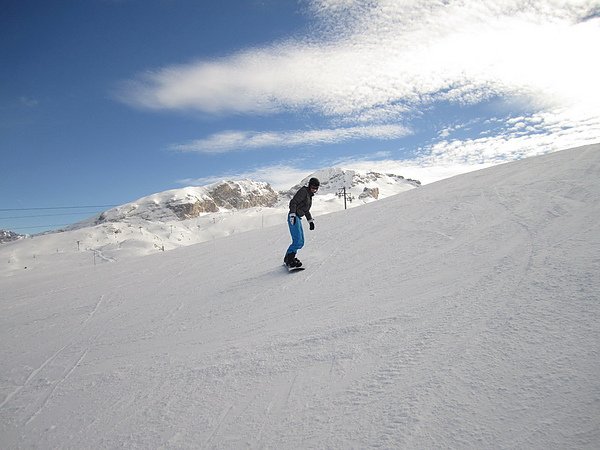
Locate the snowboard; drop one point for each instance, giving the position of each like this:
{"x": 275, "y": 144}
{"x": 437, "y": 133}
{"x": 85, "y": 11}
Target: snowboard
{"x": 294, "y": 269}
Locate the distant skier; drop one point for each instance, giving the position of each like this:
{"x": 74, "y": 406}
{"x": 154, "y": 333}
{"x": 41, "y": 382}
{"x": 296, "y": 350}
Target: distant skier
{"x": 300, "y": 206}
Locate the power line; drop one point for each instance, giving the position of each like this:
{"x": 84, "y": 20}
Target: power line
{"x": 57, "y": 207}
{"x": 53, "y": 208}
{"x": 49, "y": 215}
{"x": 43, "y": 226}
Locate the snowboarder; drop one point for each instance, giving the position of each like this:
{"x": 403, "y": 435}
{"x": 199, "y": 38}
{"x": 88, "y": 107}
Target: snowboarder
{"x": 300, "y": 206}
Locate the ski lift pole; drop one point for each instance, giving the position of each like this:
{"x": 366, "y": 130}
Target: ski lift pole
{"x": 347, "y": 196}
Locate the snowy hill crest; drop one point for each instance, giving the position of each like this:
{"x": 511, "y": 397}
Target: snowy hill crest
{"x": 9, "y": 236}
{"x": 225, "y": 196}
{"x": 191, "y": 202}
{"x": 361, "y": 183}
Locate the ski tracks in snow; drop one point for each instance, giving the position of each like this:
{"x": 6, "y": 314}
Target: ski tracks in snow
{"x": 55, "y": 370}
{"x": 91, "y": 314}
{"x": 218, "y": 427}
{"x": 56, "y": 385}
{"x": 276, "y": 407}
{"x": 31, "y": 376}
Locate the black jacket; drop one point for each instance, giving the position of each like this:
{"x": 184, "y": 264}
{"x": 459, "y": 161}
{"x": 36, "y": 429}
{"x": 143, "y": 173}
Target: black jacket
{"x": 301, "y": 202}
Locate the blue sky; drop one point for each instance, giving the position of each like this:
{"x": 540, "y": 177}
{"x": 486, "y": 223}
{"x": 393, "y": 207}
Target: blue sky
{"x": 106, "y": 101}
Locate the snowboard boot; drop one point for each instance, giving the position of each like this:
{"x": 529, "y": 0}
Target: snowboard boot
{"x": 290, "y": 260}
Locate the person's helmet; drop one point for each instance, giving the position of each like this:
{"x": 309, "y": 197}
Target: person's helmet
{"x": 314, "y": 182}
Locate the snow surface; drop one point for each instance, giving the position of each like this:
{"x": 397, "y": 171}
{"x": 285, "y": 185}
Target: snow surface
{"x": 465, "y": 314}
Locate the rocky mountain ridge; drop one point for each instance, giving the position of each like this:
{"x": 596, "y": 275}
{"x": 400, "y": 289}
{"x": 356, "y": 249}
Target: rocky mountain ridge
{"x": 191, "y": 202}
{"x": 226, "y": 196}
{"x": 365, "y": 186}
{"x": 335, "y": 178}
{"x": 9, "y": 236}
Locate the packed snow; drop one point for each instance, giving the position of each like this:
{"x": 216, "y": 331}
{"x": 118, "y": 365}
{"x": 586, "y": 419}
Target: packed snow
{"x": 464, "y": 314}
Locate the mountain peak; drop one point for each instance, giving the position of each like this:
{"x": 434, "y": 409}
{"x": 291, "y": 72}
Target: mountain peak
{"x": 360, "y": 184}
{"x": 192, "y": 201}
{"x": 9, "y": 236}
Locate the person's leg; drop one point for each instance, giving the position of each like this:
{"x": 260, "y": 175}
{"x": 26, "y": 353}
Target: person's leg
{"x": 297, "y": 236}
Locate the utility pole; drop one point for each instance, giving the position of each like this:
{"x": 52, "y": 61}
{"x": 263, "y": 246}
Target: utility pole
{"x": 347, "y": 196}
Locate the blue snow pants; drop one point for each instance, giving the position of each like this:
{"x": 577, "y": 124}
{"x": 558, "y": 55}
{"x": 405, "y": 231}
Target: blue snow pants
{"x": 297, "y": 235}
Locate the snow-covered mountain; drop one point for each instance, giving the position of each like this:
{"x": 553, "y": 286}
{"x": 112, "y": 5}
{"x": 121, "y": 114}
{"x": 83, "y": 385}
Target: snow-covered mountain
{"x": 227, "y": 196}
{"x": 464, "y": 314}
{"x": 191, "y": 202}
{"x": 9, "y": 236}
{"x": 362, "y": 186}
{"x": 180, "y": 217}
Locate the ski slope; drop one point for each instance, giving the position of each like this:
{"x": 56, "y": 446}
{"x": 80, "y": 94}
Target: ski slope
{"x": 465, "y": 314}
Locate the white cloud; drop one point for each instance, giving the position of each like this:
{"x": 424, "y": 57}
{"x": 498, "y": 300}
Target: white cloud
{"x": 280, "y": 176}
{"x": 381, "y": 61}
{"x": 394, "y": 53}
{"x": 243, "y": 140}
{"x": 545, "y": 132}
{"x": 523, "y": 137}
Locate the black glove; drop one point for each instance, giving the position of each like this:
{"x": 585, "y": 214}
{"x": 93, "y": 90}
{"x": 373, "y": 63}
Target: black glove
{"x": 292, "y": 218}
{"x": 311, "y": 225}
